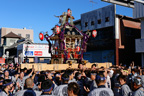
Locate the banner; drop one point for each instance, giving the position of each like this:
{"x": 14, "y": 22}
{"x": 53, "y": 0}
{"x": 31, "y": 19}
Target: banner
{"x": 2, "y": 60}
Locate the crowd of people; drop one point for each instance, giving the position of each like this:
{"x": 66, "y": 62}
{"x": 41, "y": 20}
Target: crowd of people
{"x": 94, "y": 81}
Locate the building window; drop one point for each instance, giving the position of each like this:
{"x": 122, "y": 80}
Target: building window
{"x": 28, "y": 36}
{"x": 19, "y": 34}
{"x": 12, "y": 42}
{"x": 92, "y": 23}
{"x": 86, "y": 24}
{"x": 107, "y": 19}
{"x": 99, "y": 21}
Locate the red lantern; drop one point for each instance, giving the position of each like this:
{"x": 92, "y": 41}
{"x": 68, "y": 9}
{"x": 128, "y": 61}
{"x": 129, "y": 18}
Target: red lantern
{"x": 56, "y": 48}
{"x": 41, "y": 36}
{"x": 57, "y": 29}
{"x": 94, "y": 33}
{"x": 78, "y": 48}
{"x": 68, "y": 12}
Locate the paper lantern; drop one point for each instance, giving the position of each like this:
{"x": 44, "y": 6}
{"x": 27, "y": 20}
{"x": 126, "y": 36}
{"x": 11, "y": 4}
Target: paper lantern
{"x": 57, "y": 29}
{"x": 41, "y": 36}
{"x": 68, "y": 12}
{"x": 56, "y": 48}
{"x": 78, "y": 48}
{"x": 94, "y": 33}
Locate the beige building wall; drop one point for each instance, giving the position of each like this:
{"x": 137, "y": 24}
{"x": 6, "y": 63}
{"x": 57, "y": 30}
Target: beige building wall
{"x": 23, "y": 32}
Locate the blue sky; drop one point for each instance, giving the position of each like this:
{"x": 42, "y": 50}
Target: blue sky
{"x": 39, "y": 14}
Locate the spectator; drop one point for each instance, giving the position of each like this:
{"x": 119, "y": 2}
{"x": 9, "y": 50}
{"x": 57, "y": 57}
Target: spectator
{"x": 6, "y": 76}
{"x": 101, "y": 90}
{"x": 7, "y": 88}
{"x": 1, "y": 83}
{"x": 29, "y": 89}
{"x": 47, "y": 87}
{"x": 93, "y": 67}
{"x": 80, "y": 66}
{"x": 21, "y": 80}
{"x": 73, "y": 89}
{"x": 139, "y": 90}
{"x": 124, "y": 90}
{"x": 62, "y": 89}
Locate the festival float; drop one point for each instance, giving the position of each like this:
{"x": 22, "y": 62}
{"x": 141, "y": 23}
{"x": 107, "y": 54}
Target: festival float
{"x": 67, "y": 43}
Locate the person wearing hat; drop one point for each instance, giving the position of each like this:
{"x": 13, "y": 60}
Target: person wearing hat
{"x": 47, "y": 87}
{"x": 101, "y": 90}
{"x": 62, "y": 89}
{"x": 137, "y": 86}
{"x": 29, "y": 89}
{"x": 7, "y": 86}
{"x": 124, "y": 89}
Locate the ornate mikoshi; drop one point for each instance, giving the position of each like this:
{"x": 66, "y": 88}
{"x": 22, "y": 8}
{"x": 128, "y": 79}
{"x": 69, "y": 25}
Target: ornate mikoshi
{"x": 68, "y": 43}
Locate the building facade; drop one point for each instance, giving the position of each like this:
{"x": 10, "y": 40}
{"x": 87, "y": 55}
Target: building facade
{"x": 8, "y": 36}
{"x": 25, "y": 33}
{"x": 138, "y": 12}
{"x": 116, "y": 34}
{"x": 8, "y": 40}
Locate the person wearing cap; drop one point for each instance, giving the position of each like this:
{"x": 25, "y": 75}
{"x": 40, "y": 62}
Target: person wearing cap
{"x": 101, "y": 90}
{"x": 7, "y": 86}
{"x": 137, "y": 85}
{"x": 124, "y": 90}
{"x": 73, "y": 89}
{"x": 47, "y": 87}
{"x": 62, "y": 89}
{"x": 29, "y": 89}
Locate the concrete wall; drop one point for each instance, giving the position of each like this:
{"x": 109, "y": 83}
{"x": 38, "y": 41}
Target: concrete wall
{"x": 99, "y": 14}
{"x": 23, "y": 32}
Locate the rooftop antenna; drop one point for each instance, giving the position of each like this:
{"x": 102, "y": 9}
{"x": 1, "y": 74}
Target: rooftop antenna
{"x": 91, "y": 1}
